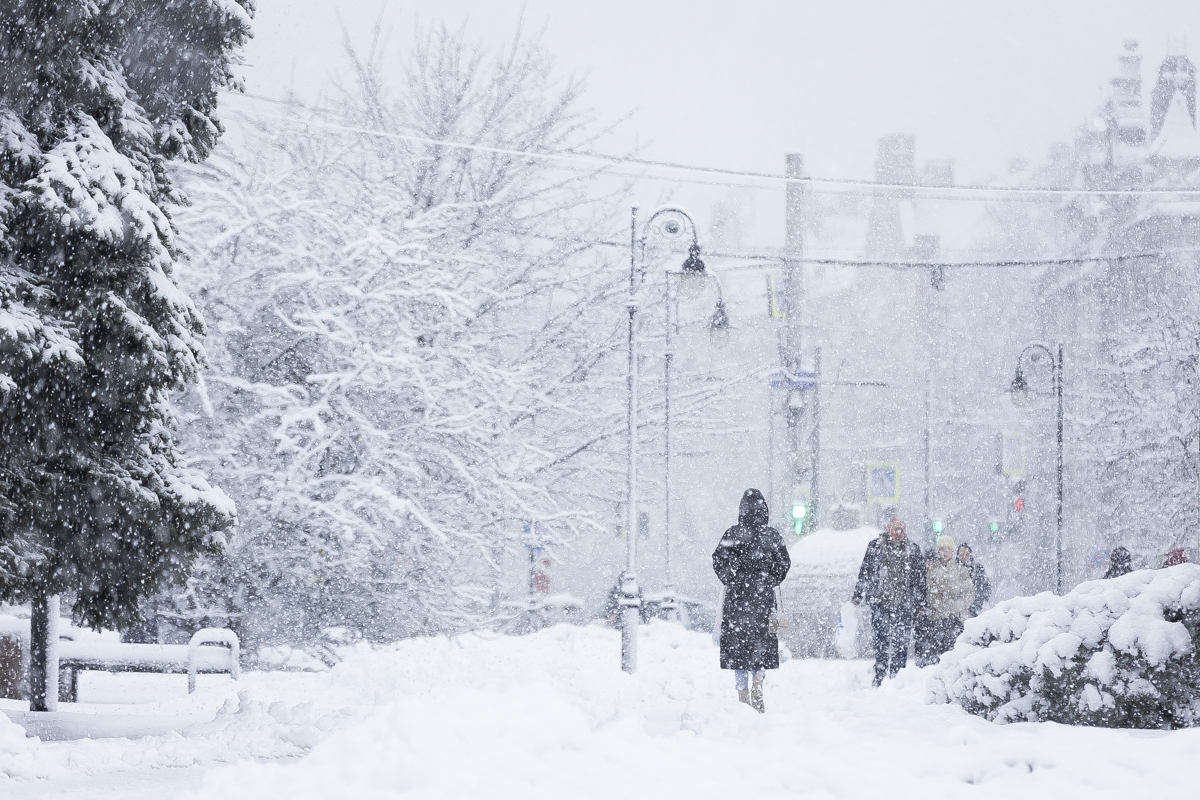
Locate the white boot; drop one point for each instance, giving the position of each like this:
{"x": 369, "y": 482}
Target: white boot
{"x": 756, "y": 694}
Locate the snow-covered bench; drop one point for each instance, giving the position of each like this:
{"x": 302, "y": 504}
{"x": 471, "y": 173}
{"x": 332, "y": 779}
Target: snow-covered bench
{"x": 211, "y": 650}
{"x": 199, "y": 656}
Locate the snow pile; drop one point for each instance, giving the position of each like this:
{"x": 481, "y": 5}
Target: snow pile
{"x": 827, "y": 552}
{"x": 542, "y": 716}
{"x": 552, "y": 716}
{"x": 16, "y": 751}
{"x": 260, "y": 730}
{"x": 1112, "y": 653}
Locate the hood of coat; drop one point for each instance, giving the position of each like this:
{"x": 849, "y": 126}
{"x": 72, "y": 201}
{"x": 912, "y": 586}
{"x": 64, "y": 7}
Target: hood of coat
{"x": 1120, "y": 557}
{"x": 753, "y": 511}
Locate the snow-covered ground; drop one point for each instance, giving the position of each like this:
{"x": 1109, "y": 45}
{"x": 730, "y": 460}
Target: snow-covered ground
{"x": 551, "y": 716}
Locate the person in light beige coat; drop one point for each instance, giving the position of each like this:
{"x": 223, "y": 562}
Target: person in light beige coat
{"x": 950, "y": 595}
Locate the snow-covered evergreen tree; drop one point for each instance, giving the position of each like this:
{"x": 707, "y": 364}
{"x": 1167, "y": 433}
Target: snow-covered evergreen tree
{"x": 96, "y": 98}
{"x": 401, "y": 336}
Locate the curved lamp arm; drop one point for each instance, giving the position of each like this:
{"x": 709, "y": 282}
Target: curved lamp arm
{"x": 1019, "y": 383}
{"x": 645, "y": 232}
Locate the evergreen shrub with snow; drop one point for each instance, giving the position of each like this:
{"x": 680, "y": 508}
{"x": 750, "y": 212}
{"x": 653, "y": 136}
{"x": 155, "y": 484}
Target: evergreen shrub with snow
{"x": 1113, "y": 653}
{"x": 97, "y": 97}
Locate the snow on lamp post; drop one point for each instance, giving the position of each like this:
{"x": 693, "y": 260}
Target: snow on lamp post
{"x": 1020, "y": 390}
{"x": 692, "y": 277}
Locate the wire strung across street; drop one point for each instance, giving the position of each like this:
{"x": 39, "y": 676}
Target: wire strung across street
{"x": 950, "y": 192}
{"x": 770, "y": 259}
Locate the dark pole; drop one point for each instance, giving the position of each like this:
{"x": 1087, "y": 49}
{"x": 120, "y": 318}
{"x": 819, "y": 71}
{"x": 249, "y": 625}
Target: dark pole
{"x": 43, "y": 653}
{"x": 533, "y": 599}
{"x": 1058, "y": 369}
{"x": 1057, "y": 380}
{"x": 629, "y": 587}
{"x": 814, "y": 503}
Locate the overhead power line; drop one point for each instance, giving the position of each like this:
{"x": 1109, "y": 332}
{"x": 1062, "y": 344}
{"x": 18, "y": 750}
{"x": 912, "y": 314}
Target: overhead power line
{"x": 1014, "y": 262}
{"x": 953, "y": 191}
{"x": 763, "y": 259}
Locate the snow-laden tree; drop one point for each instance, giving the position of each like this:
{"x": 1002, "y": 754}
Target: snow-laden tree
{"x": 96, "y": 98}
{"x": 408, "y": 344}
{"x": 1148, "y": 433}
{"x": 1127, "y": 320}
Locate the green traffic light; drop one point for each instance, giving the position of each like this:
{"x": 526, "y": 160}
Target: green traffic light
{"x": 994, "y": 527}
{"x": 799, "y": 512}
{"x": 937, "y": 526}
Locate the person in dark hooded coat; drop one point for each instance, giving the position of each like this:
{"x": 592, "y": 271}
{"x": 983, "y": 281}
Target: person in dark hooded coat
{"x": 1120, "y": 562}
{"x": 751, "y": 560}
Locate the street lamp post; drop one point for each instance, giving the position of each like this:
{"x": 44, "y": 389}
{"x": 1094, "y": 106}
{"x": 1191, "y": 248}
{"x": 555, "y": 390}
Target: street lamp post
{"x": 1019, "y": 387}
{"x": 692, "y": 268}
{"x": 718, "y": 324}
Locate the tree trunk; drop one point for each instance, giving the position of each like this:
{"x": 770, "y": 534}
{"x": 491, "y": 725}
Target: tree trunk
{"x": 43, "y": 654}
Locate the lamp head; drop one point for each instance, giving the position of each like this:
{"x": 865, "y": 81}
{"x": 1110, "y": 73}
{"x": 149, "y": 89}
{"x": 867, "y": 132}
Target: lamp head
{"x": 693, "y": 275}
{"x": 1019, "y": 388}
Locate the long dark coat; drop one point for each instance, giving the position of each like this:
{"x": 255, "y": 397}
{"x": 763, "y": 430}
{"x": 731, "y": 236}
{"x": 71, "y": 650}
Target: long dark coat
{"x": 751, "y": 561}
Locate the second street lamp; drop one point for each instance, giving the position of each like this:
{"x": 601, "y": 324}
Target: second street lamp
{"x": 1020, "y": 388}
{"x": 692, "y": 275}
{"x": 718, "y": 326}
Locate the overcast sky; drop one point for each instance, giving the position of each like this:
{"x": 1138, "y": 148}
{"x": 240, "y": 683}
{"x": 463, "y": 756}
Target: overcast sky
{"x": 739, "y": 83}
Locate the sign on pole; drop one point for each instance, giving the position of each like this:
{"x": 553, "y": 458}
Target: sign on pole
{"x": 1012, "y": 454}
{"x": 883, "y": 483}
{"x": 798, "y": 381}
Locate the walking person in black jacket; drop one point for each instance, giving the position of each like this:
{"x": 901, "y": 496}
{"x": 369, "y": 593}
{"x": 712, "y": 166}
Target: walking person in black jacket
{"x": 751, "y": 560}
{"x": 892, "y": 582}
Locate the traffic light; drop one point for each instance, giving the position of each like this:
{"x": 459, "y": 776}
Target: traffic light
{"x": 994, "y": 526}
{"x": 799, "y": 514}
{"x": 937, "y": 526}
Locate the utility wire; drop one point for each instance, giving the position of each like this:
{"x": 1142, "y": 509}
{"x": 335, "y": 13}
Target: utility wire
{"x": 603, "y": 158}
{"x": 764, "y": 259}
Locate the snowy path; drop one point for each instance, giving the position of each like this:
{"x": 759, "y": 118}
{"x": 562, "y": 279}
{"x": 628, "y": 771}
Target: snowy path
{"x": 551, "y": 716}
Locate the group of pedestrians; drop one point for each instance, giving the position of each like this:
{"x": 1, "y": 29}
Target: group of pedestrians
{"x": 905, "y": 589}
{"x": 917, "y": 597}
{"x": 922, "y": 598}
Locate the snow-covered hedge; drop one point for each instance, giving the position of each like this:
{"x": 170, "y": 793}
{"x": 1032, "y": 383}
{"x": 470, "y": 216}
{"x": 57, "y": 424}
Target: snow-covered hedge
{"x": 1114, "y": 653}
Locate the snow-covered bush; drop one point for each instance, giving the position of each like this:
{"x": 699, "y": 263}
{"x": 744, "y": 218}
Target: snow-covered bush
{"x": 1114, "y": 653}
